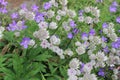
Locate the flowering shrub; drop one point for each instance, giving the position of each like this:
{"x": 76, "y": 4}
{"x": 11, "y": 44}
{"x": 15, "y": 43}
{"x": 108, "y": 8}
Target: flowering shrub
{"x": 63, "y": 40}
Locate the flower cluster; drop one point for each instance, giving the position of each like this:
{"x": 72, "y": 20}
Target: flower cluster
{"x": 3, "y": 5}
{"x": 59, "y": 28}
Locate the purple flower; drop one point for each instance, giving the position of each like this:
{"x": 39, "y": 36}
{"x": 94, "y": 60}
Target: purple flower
{"x": 100, "y": 31}
{"x": 14, "y": 15}
{"x": 72, "y": 24}
{"x": 114, "y": 4}
{"x": 12, "y": 26}
{"x": 76, "y": 31}
{"x": 3, "y": 10}
{"x": 101, "y": 72}
{"x": 25, "y": 42}
{"x": 70, "y": 35}
{"x": 4, "y": 3}
{"x": 24, "y": 6}
{"x": 113, "y": 9}
{"x": 81, "y": 67}
{"x": 47, "y": 6}
{"x": 81, "y": 13}
{"x": 116, "y": 44}
{"x": 118, "y": 30}
{"x": 104, "y": 25}
{"x": 39, "y": 17}
{"x": 92, "y": 32}
{"x": 106, "y": 49}
{"x": 118, "y": 19}
{"x": 84, "y": 35}
{"x": 104, "y": 39}
{"x": 34, "y": 8}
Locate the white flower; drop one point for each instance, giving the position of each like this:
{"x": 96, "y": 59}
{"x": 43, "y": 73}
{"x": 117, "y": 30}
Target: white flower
{"x": 53, "y": 25}
{"x": 105, "y": 30}
{"x": 115, "y": 71}
{"x": 100, "y": 56}
{"x": 32, "y": 42}
{"x": 92, "y": 57}
{"x": 81, "y": 18}
{"x": 113, "y": 37}
{"x": 58, "y": 17}
{"x": 88, "y": 20}
{"x": 71, "y": 13}
{"x": 72, "y": 77}
{"x": 68, "y": 52}
{"x": 87, "y": 9}
{"x": 54, "y": 40}
{"x": 114, "y": 77}
{"x": 74, "y": 63}
{"x": 77, "y": 43}
{"x": 63, "y": 2}
{"x": 95, "y": 11}
{"x": 65, "y": 26}
{"x": 30, "y": 15}
{"x": 50, "y": 14}
{"x": 96, "y": 20}
{"x": 43, "y": 25}
{"x": 17, "y": 34}
{"x": 54, "y": 3}
{"x": 88, "y": 67}
{"x": 89, "y": 77}
{"x": 111, "y": 25}
{"x": 61, "y": 13}
{"x": 44, "y": 44}
{"x": 1, "y": 29}
{"x": 22, "y": 12}
{"x": 41, "y": 34}
{"x": 96, "y": 40}
{"x": 80, "y": 50}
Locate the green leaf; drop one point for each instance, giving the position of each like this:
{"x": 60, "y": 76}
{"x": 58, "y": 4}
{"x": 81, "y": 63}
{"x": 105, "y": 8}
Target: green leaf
{"x": 43, "y": 57}
{"x": 9, "y": 36}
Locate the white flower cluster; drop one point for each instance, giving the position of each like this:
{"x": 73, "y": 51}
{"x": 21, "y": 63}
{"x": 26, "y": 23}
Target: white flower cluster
{"x": 29, "y": 15}
{"x": 74, "y": 71}
{"x": 1, "y": 31}
{"x": 89, "y": 20}
{"x": 110, "y": 32}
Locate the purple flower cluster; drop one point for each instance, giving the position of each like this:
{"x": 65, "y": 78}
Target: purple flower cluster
{"x": 74, "y": 29}
{"x": 14, "y": 26}
{"x": 116, "y": 44}
{"x": 25, "y": 42}
{"x": 85, "y": 35}
{"x": 3, "y": 5}
{"x": 113, "y": 7}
